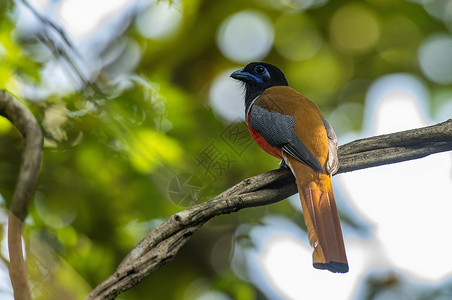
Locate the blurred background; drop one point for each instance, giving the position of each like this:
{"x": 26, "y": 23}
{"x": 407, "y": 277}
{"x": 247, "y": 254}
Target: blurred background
{"x": 141, "y": 121}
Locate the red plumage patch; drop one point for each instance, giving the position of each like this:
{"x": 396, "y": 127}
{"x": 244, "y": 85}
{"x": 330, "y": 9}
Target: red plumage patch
{"x": 276, "y": 152}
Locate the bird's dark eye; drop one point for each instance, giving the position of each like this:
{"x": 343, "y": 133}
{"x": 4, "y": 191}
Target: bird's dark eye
{"x": 259, "y": 70}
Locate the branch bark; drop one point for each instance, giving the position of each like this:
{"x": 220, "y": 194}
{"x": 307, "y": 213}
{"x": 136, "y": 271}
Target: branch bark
{"x": 23, "y": 120}
{"x": 162, "y": 244}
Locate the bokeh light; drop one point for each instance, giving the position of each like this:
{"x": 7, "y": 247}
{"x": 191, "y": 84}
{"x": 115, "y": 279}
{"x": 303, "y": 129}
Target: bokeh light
{"x": 304, "y": 4}
{"x": 160, "y": 20}
{"x": 293, "y": 5}
{"x": 435, "y": 58}
{"x": 5, "y": 126}
{"x": 320, "y": 76}
{"x": 354, "y": 29}
{"x": 297, "y": 36}
{"x": 400, "y": 37}
{"x": 52, "y": 216}
{"x": 226, "y": 97}
{"x": 245, "y": 36}
{"x": 440, "y": 9}
{"x": 123, "y": 58}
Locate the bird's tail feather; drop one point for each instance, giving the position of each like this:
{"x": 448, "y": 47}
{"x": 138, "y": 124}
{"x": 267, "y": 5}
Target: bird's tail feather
{"x": 323, "y": 227}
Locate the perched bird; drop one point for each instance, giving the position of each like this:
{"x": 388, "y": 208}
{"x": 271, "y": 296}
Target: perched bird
{"x": 289, "y": 126}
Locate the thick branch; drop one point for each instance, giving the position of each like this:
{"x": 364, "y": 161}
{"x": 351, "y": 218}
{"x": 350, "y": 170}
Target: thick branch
{"x": 395, "y": 147}
{"x": 162, "y": 244}
{"x": 24, "y": 121}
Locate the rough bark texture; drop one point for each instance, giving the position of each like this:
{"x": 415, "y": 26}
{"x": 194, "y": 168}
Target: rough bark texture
{"x": 23, "y": 120}
{"x": 162, "y": 244}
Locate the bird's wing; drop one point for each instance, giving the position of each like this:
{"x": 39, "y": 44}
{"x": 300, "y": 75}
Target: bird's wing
{"x": 278, "y": 130}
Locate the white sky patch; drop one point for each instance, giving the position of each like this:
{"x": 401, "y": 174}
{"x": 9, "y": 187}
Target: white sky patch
{"x": 287, "y": 264}
{"x": 39, "y": 4}
{"x": 281, "y": 264}
{"x": 83, "y": 17}
{"x": 89, "y": 26}
{"x": 389, "y": 111}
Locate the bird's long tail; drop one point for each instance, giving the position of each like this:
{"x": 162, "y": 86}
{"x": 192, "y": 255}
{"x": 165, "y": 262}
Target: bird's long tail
{"x": 321, "y": 217}
{"x": 323, "y": 227}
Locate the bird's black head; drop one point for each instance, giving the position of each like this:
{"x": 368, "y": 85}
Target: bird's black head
{"x": 257, "y": 77}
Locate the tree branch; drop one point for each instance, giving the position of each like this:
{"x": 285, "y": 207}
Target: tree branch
{"x": 24, "y": 121}
{"x": 162, "y": 244}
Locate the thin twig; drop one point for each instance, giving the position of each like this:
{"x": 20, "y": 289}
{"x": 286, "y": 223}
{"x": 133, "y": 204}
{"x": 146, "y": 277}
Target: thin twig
{"x": 162, "y": 244}
{"x": 23, "y": 120}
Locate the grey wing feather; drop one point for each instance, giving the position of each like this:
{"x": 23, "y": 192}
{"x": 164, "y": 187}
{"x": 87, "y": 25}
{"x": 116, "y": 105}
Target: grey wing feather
{"x": 332, "y": 163}
{"x": 298, "y": 150}
{"x": 278, "y": 130}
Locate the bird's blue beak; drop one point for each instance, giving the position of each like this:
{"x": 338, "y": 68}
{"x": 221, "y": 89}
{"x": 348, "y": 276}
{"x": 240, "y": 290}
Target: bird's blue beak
{"x": 245, "y": 77}
{"x": 241, "y": 75}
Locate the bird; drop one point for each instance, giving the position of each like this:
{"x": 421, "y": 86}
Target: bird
{"x": 289, "y": 126}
